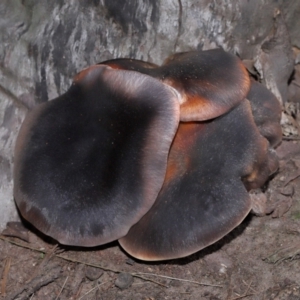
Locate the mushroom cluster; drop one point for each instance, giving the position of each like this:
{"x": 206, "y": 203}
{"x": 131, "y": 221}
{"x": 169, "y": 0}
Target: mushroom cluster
{"x": 160, "y": 158}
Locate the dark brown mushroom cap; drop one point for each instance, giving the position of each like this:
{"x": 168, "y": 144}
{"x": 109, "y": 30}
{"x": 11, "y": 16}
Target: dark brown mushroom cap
{"x": 203, "y": 196}
{"x": 210, "y": 82}
{"x": 90, "y": 164}
{"x": 266, "y": 111}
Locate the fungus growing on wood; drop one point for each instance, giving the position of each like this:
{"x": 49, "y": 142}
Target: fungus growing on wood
{"x": 210, "y": 82}
{"x": 89, "y": 164}
{"x": 159, "y": 158}
{"x": 203, "y": 196}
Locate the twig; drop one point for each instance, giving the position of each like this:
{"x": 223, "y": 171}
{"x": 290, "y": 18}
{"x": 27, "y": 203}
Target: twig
{"x": 96, "y": 287}
{"x": 249, "y": 286}
{"x": 5, "y": 276}
{"x": 137, "y": 275}
{"x": 34, "y": 285}
{"x": 76, "y": 282}
{"x": 79, "y": 290}
{"x": 150, "y": 280}
{"x": 62, "y": 288}
{"x": 46, "y": 259}
{"x": 178, "y": 279}
{"x": 21, "y": 245}
{"x": 283, "y": 254}
{"x": 246, "y": 292}
{"x": 243, "y": 296}
{"x": 291, "y": 138}
{"x": 88, "y": 264}
{"x": 134, "y": 274}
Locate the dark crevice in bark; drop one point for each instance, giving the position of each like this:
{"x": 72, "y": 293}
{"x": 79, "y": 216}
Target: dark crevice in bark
{"x": 179, "y": 24}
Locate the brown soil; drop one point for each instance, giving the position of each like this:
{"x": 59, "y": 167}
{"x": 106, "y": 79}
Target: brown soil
{"x": 258, "y": 260}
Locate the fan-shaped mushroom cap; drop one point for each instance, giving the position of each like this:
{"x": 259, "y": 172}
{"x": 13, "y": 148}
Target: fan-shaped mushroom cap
{"x": 89, "y": 164}
{"x": 203, "y": 196}
{"x": 266, "y": 111}
{"x": 210, "y": 82}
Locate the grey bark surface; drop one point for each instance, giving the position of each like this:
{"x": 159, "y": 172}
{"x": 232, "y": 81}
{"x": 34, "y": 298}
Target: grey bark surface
{"x": 43, "y": 44}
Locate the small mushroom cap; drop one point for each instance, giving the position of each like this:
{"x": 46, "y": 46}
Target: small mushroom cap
{"x": 90, "y": 164}
{"x": 210, "y": 82}
{"x": 203, "y": 196}
{"x": 266, "y": 111}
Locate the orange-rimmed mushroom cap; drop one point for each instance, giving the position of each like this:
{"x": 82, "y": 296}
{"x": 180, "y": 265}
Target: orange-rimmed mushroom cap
{"x": 210, "y": 82}
{"x": 203, "y": 196}
{"x": 89, "y": 164}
